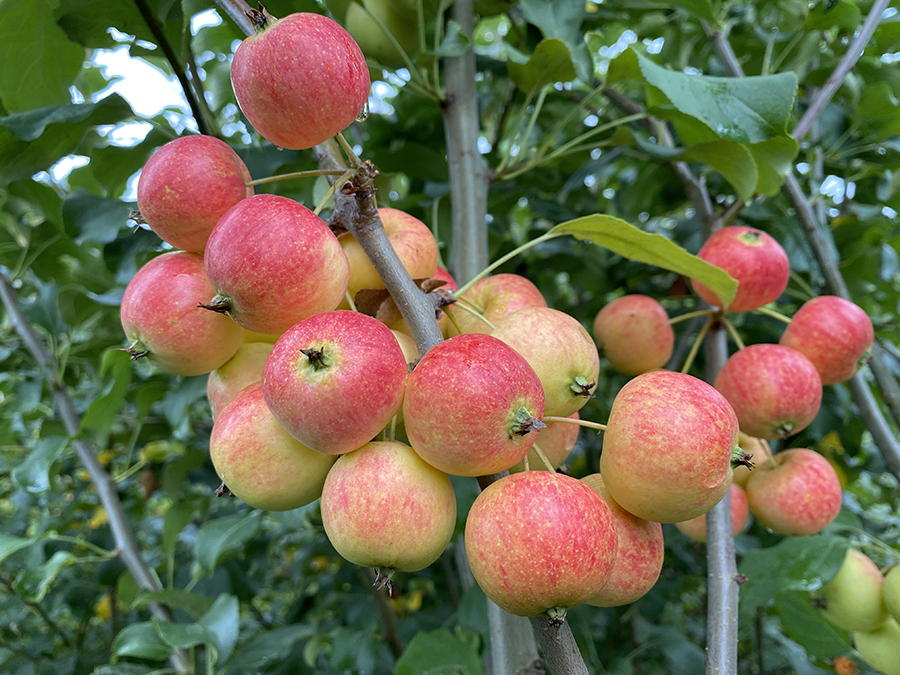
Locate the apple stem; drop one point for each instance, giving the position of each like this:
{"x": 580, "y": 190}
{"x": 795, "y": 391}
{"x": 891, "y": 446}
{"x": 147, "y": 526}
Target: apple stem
{"x": 732, "y": 331}
{"x": 525, "y": 462}
{"x": 472, "y": 304}
{"x": 553, "y": 419}
{"x": 355, "y": 161}
{"x": 472, "y": 312}
{"x": 350, "y": 301}
{"x": 691, "y": 315}
{"x": 541, "y": 456}
{"x": 393, "y": 428}
{"x": 689, "y": 361}
{"x": 509, "y": 256}
{"x": 344, "y": 177}
{"x": 295, "y": 174}
{"x": 768, "y": 451}
{"x": 772, "y": 313}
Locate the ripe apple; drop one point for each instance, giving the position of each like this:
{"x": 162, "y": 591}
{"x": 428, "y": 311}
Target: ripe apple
{"x": 471, "y": 406}
{"x": 556, "y": 441}
{"x": 561, "y": 352}
{"x": 695, "y": 528}
{"x": 383, "y": 507}
{"x": 498, "y": 296}
{"x": 540, "y": 542}
{"x": 854, "y": 599}
{"x": 639, "y": 554}
{"x": 757, "y": 448}
{"x": 891, "y": 591}
{"x": 272, "y": 263}
{"x": 300, "y": 79}
{"x": 880, "y": 648}
{"x": 797, "y": 493}
{"x": 259, "y": 461}
{"x": 754, "y": 259}
{"x": 373, "y": 41}
{"x": 775, "y": 390}
{"x": 668, "y": 447}
{"x": 634, "y": 334}
{"x": 161, "y": 320}
{"x": 335, "y": 380}
{"x": 242, "y": 370}
{"x": 833, "y": 333}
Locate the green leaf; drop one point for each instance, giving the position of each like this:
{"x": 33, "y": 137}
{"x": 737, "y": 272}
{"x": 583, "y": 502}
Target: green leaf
{"x": 140, "y": 640}
{"x": 807, "y": 626}
{"x": 39, "y": 62}
{"x": 551, "y": 62}
{"x": 774, "y": 160}
{"x": 10, "y": 544}
{"x": 217, "y": 536}
{"x": 732, "y": 160}
{"x": 175, "y": 520}
{"x": 103, "y": 411}
{"x": 267, "y": 649}
{"x": 455, "y": 42}
{"x": 879, "y": 110}
{"x": 33, "y": 475}
{"x": 439, "y": 653}
{"x": 32, "y": 583}
{"x": 746, "y": 110}
{"x": 827, "y": 15}
{"x": 122, "y": 669}
{"x": 184, "y": 635}
{"x": 561, "y": 19}
{"x": 95, "y": 219}
{"x": 223, "y": 621}
{"x": 795, "y": 563}
{"x": 654, "y": 249}
{"x": 702, "y": 9}
{"x": 193, "y": 604}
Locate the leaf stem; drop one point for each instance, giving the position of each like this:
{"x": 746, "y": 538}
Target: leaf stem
{"x": 296, "y": 174}
{"x": 355, "y": 161}
{"x": 541, "y": 456}
{"x": 553, "y": 419}
{"x": 689, "y": 361}
{"x": 732, "y": 331}
{"x": 691, "y": 315}
{"x": 772, "y": 313}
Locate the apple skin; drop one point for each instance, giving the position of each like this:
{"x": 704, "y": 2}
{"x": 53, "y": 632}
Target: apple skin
{"x": 336, "y": 402}
{"x": 833, "y": 333}
{"x": 300, "y": 80}
{"x": 187, "y": 185}
{"x": 634, "y": 334}
{"x": 639, "y": 553}
{"x": 242, "y": 370}
{"x": 373, "y": 42}
{"x": 668, "y": 447}
{"x": 752, "y": 446}
{"x": 500, "y": 296}
{"x": 561, "y": 352}
{"x": 854, "y": 599}
{"x": 466, "y": 402}
{"x": 799, "y": 493}
{"x": 159, "y": 315}
{"x": 695, "y": 528}
{"x": 409, "y": 237}
{"x": 259, "y": 461}
{"x": 556, "y": 441}
{"x": 540, "y": 541}
{"x": 775, "y": 390}
{"x": 891, "y": 591}
{"x": 880, "y": 647}
{"x": 754, "y": 259}
{"x": 384, "y": 507}
{"x": 275, "y": 263}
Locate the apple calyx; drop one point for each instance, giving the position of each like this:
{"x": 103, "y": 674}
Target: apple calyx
{"x": 785, "y": 429}
{"x": 135, "y": 216}
{"x": 751, "y": 237}
{"x": 524, "y": 422}
{"x": 741, "y": 458}
{"x": 258, "y": 17}
{"x": 557, "y": 617}
{"x": 582, "y": 387}
{"x": 864, "y": 359}
{"x": 317, "y": 358}
{"x": 136, "y": 350}
{"x": 220, "y": 304}
{"x": 222, "y": 491}
{"x": 383, "y": 580}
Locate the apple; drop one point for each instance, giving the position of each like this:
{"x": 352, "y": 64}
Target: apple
{"x": 561, "y": 352}
{"x": 797, "y": 493}
{"x": 259, "y": 461}
{"x": 639, "y": 553}
{"x": 775, "y": 390}
{"x": 187, "y": 185}
{"x": 634, "y": 334}
{"x": 853, "y": 599}
{"x": 754, "y": 259}
{"x": 880, "y": 647}
{"x": 540, "y": 542}
{"x": 160, "y": 317}
{"x": 373, "y": 41}
{"x": 384, "y": 507}
{"x": 759, "y": 452}
{"x": 495, "y": 298}
{"x": 695, "y": 528}
{"x": 556, "y": 441}
{"x": 891, "y": 591}
{"x": 299, "y": 80}
{"x": 272, "y": 263}
{"x": 668, "y": 447}
{"x": 242, "y": 370}
{"x": 471, "y": 406}
{"x": 833, "y": 333}
{"x": 335, "y": 380}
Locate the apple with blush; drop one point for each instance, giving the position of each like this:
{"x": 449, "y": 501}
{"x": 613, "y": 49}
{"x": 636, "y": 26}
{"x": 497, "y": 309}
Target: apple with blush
{"x": 854, "y": 598}
{"x": 634, "y": 334}
{"x": 242, "y": 370}
{"x": 494, "y": 298}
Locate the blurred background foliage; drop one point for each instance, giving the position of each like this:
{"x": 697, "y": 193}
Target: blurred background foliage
{"x": 257, "y": 592}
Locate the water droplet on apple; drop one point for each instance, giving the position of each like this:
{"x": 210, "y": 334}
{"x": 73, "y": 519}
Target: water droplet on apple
{"x": 364, "y": 113}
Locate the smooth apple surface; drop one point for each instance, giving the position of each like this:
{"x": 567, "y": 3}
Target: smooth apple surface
{"x": 695, "y": 528}
{"x": 383, "y": 507}
{"x": 300, "y": 80}
{"x": 891, "y": 591}
{"x": 668, "y": 447}
{"x": 754, "y": 259}
{"x": 161, "y": 319}
{"x": 187, "y": 185}
{"x": 833, "y": 333}
{"x": 540, "y": 542}
{"x": 854, "y": 599}
{"x": 259, "y": 461}
{"x": 775, "y": 390}
{"x": 634, "y": 334}
{"x": 242, "y": 370}
{"x": 494, "y": 298}
{"x": 798, "y": 492}
{"x": 880, "y": 648}
{"x": 639, "y": 553}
